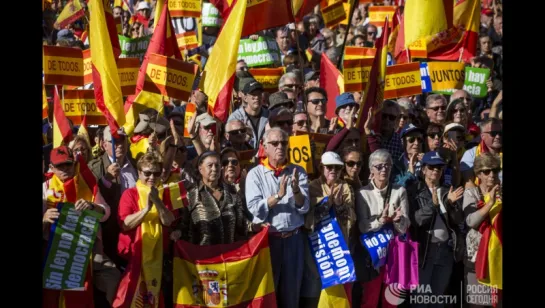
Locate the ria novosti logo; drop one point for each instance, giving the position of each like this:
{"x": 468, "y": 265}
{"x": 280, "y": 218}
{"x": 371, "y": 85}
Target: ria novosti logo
{"x": 395, "y": 295}
{"x": 420, "y": 294}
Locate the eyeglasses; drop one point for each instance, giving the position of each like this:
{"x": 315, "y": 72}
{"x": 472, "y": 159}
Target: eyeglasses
{"x": 434, "y": 135}
{"x": 487, "y": 171}
{"x": 291, "y": 86}
{"x": 351, "y": 163}
{"x": 64, "y": 165}
{"x": 80, "y": 150}
{"x": 148, "y": 173}
{"x": 435, "y": 167}
{"x": 443, "y": 108}
{"x": 302, "y": 123}
{"x": 333, "y": 167}
{"x": 135, "y": 29}
{"x": 236, "y": 132}
{"x": 317, "y": 101}
{"x": 494, "y": 133}
{"x": 243, "y": 68}
{"x": 226, "y": 162}
{"x": 413, "y": 139}
{"x": 276, "y": 143}
{"x": 390, "y": 117}
{"x": 282, "y": 123}
{"x": 382, "y": 167}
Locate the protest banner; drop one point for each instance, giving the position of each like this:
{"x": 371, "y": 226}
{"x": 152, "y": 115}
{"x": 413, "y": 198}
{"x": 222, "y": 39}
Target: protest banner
{"x": 425, "y": 77}
{"x": 268, "y": 77}
{"x": 246, "y": 159}
{"x": 133, "y": 48}
{"x": 446, "y": 77}
{"x": 87, "y": 67}
{"x": 356, "y": 74}
{"x": 333, "y": 14}
{"x": 187, "y": 40}
{"x": 330, "y": 251}
{"x": 299, "y": 152}
{"x": 475, "y": 81}
{"x": 70, "y": 247}
{"x": 189, "y": 112}
{"x": 353, "y": 52}
{"x": 127, "y": 69}
{"x": 210, "y": 15}
{"x": 377, "y": 14}
{"x": 185, "y": 8}
{"x": 376, "y": 243}
{"x": 418, "y": 49}
{"x": 346, "y": 7}
{"x": 77, "y": 103}
{"x": 402, "y": 80}
{"x": 63, "y": 66}
{"x": 263, "y": 51}
{"x": 169, "y": 77}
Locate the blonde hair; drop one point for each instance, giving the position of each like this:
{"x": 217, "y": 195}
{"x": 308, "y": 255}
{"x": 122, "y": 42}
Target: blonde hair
{"x": 149, "y": 159}
{"x": 486, "y": 161}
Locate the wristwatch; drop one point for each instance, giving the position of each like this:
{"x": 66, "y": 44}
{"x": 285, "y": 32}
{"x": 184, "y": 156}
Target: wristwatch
{"x": 277, "y": 197}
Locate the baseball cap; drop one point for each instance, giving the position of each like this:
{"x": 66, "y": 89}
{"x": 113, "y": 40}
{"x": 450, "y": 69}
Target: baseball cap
{"x": 311, "y": 75}
{"x": 205, "y": 119}
{"x": 277, "y": 99}
{"x": 331, "y": 158}
{"x": 433, "y": 159}
{"x": 142, "y": 5}
{"x": 409, "y": 128}
{"x": 252, "y": 86}
{"x": 454, "y": 126}
{"x": 61, "y": 155}
{"x": 243, "y": 81}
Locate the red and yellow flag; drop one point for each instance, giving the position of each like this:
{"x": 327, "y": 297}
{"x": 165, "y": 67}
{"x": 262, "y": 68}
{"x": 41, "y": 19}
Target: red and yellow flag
{"x": 489, "y": 261}
{"x": 107, "y": 85}
{"x": 232, "y": 275}
{"x": 220, "y": 67}
{"x": 71, "y": 12}
{"x": 62, "y": 134}
{"x": 332, "y": 81}
{"x": 82, "y": 130}
{"x": 303, "y": 7}
{"x": 45, "y": 107}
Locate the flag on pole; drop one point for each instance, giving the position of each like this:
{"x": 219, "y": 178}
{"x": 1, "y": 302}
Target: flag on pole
{"x": 62, "y": 133}
{"x": 332, "y": 81}
{"x": 71, "y": 12}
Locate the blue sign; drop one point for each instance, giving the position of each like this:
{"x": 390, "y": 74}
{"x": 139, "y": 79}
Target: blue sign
{"x": 389, "y": 59}
{"x": 377, "y": 244}
{"x": 330, "y": 252}
{"x": 425, "y": 77}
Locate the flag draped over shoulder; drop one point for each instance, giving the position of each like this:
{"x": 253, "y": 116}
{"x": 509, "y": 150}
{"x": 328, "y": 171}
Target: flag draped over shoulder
{"x": 332, "y": 81}
{"x": 107, "y": 85}
{"x": 220, "y": 67}
{"x": 71, "y": 12}
{"x": 231, "y": 275}
{"x": 488, "y": 264}
{"x": 62, "y": 134}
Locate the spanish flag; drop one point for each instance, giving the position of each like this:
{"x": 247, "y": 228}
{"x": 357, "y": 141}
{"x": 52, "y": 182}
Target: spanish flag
{"x": 45, "y": 107}
{"x": 220, "y": 67}
{"x": 488, "y": 264}
{"x": 82, "y": 131}
{"x": 71, "y": 12}
{"x": 331, "y": 80}
{"x": 62, "y": 133}
{"x": 303, "y": 7}
{"x": 231, "y": 275}
{"x": 107, "y": 85}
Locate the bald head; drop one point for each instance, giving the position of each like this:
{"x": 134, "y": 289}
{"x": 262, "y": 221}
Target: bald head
{"x": 233, "y": 125}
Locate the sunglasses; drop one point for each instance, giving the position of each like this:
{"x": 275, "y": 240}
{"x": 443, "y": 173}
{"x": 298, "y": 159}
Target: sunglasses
{"x": 371, "y": 33}
{"x": 412, "y": 139}
{"x": 435, "y": 167}
{"x": 276, "y": 143}
{"x": 243, "y": 68}
{"x": 317, "y": 101}
{"x": 301, "y": 123}
{"x": 356, "y": 106}
{"x": 226, "y": 162}
{"x": 135, "y": 29}
{"x": 282, "y": 123}
{"x": 487, "y": 171}
{"x": 494, "y": 133}
{"x": 237, "y": 132}
{"x": 354, "y": 163}
{"x": 148, "y": 173}
{"x": 64, "y": 165}
{"x": 390, "y": 117}
{"x": 462, "y": 110}
{"x": 291, "y": 86}
{"x": 443, "y": 108}
{"x": 382, "y": 167}
{"x": 435, "y": 135}
{"x": 210, "y": 127}
{"x": 460, "y": 138}
{"x": 333, "y": 167}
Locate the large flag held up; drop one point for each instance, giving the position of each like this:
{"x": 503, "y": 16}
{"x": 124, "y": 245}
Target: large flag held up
{"x": 231, "y": 275}
{"x": 71, "y": 12}
{"x": 62, "y": 133}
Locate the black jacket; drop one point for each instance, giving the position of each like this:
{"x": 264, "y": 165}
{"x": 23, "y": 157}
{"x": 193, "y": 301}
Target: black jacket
{"x": 423, "y": 213}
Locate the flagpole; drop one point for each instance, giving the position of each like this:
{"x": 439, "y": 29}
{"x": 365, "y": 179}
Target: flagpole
{"x": 349, "y": 24}
{"x": 302, "y": 78}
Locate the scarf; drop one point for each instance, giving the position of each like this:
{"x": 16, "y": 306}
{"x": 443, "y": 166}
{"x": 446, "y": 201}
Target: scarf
{"x": 81, "y": 186}
{"x": 489, "y": 255}
{"x": 139, "y": 144}
{"x": 277, "y": 171}
{"x": 340, "y": 122}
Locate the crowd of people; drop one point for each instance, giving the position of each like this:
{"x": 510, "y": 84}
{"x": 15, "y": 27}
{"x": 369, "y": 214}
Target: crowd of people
{"x": 431, "y": 169}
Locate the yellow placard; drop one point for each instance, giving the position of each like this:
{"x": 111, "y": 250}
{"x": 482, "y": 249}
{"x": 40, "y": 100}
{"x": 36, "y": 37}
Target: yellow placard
{"x": 63, "y": 66}
{"x": 333, "y": 14}
{"x": 184, "y": 8}
{"x": 445, "y": 76}
{"x": 299, "y": 152}
{"x": 377, "y": 14}
{"x": 87, "y": 67}
{"x": 356, "y": 74}
{"x": 402, "y": 80}
{"x": 347, "y": 11}
{"x": 189, "y": 112}
{"x": 169, "y": 77}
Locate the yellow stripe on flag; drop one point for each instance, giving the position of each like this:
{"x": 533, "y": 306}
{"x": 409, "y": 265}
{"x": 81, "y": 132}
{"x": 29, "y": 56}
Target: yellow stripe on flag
{"x": 423, "y": 18}
{"x": 334, "y": 297}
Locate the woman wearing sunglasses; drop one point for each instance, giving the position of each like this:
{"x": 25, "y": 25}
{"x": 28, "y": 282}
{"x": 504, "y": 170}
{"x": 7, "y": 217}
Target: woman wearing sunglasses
{"x": 327, "y": 192}
{"x": 407, "y": 168}
{"x": 352, "y": 166}
{"x": 482, "y": 210}
{"x": 377, "y": 204}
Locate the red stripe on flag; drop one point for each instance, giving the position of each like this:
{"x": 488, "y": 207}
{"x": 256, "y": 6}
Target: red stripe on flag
{"x": 99, "y": 100}
{"x": 221, "y": 108}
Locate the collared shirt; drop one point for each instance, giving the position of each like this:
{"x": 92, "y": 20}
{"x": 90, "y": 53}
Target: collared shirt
{"x": 394, "y": 146}
{"x": 261, "y": 183}
{"x": 128, "y": 176}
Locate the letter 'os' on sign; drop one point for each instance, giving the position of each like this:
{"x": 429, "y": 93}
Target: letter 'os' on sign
{"x": 299, "y": 152}
{"x": 63, "y": 66}
{"x": 402, "y": 80}
{"x": 169, "y": 77}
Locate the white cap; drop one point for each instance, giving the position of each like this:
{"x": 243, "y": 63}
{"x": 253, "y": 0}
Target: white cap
{"x": 455, "y": 126}
{"x": 331, "y": 158}
{"x": 143, "y": 5}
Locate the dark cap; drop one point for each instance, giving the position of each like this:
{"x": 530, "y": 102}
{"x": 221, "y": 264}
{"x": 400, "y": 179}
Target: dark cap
{"x": 61, "y": 155}
{"x": 252, "y": 86}
{"x": 311, "y": 75}
{"x": 409, "y": 128}
{"x": 277, "y": 99}
{"x": 433, "y": 159}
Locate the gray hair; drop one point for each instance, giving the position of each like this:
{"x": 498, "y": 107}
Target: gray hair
{"x": 391, "y": 104}
{"x": 434, "y": 97}
{"x": 453, "y": 98}
{"x": 380, "y": 155}
{"x": 233, "y": 121}
{"x": 289, "y": 75}
{"x": 274, "y": 129}
{"x": 405, "y": 104}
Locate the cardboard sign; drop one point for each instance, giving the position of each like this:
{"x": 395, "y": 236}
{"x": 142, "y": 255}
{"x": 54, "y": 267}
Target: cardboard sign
{"x": 418, "y": 49}
{"x": 402, "y": 80}
{"x": 346, "y": 6}
{"x": 63, "y": 66}
{"x": 377, "y": 14}
{"x": 263, "y": 51}
{"x": 77, "y": 103}
{"x": 353, "y": 52}
{"x": 333, "y": 14}
{"x": 299, "y": 152}
{"x": 133, "y": 48}
{"x": 446, "y": 77}
{"x": 127, "y": 69}
{"x": 246, "y": 159}
{"x": 210, "y": 15}
{"x": 356, "y": 74}
{"x": 189, "y": 112}
{"x": 475, "y": 81}
{"x": 184, "y": 8}
{"x": 187, "y": 40}
{"x": 87, "y": 67}
{"x": 169, "y": 77}
{"x": 268, "y": 77}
